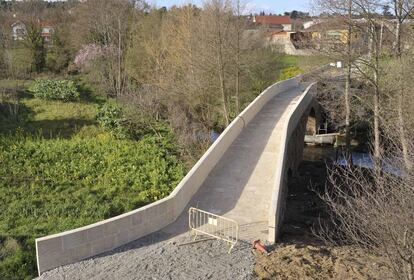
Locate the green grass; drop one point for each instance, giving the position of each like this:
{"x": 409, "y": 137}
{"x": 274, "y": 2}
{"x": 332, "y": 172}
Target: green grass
{"x": 48, "y": 186}
{"x": 47, "y": 118}
{"x": 61, "y": 170}
{"x": 300, "y": 64}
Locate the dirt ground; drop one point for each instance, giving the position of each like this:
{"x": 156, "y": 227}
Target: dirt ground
{"x": 320, "y": 262}
{"x": 301, "y": 255}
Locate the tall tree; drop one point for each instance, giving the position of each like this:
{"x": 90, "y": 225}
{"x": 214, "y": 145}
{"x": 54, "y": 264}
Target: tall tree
{"x": 216, "y": 19}
{"x": 106, "y": 23}
{"x": 31, "y": 13}
{"x": 402, "y": 10}
{"x": 342, "y": 48}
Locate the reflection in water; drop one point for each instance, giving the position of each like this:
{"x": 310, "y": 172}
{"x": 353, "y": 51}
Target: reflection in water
{"x": 366, "y": 160}
{"x": 205, "y": 136}
{"x": 214, "y": 135}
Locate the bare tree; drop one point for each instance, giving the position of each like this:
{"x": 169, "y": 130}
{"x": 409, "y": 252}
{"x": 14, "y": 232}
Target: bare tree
{"x": 370, "y": 68}
{"x": 193, "y": 65}
{"x": 345, "y": 48}
{"x": 375, "y": 208}
{"x": 106, "y": 24}
{"x": 216, "y": 19}
{"x": 376, "y": 214}
{"x": 402, "y": 10}
{"x": 348, "y": 84}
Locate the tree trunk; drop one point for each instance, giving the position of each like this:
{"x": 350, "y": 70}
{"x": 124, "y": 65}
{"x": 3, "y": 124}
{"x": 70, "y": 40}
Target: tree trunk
{"x": 381, "y": 36}
{"x": 401, "y": 126}
{"x": 238, "y": 59}
{"x": 223, "y": 91}
{"x": 398, "y": 6}
{"x": 377, "y": 144}
{"x": 118, "y": 88}
{"x": 348, "y": 152}
{"x": 397, "y": 43}
{"x": 220, "y": 62}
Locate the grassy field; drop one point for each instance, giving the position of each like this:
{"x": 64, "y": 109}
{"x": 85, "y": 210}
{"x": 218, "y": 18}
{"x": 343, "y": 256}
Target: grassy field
{"x": 61, "y": 170}
{"x": 291, "y": 65}
{"x": 49, "y": 118}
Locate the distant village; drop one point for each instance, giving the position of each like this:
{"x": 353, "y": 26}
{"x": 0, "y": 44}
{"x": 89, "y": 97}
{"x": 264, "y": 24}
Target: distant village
{"x": 299, "y": 36}
{"x": 294, "y": 33}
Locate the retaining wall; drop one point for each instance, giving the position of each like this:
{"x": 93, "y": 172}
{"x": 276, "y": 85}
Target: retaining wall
{"x": 288, "y": 145}
{"x": 81, "y": 243}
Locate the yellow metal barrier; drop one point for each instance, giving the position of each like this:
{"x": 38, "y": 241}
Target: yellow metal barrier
{"x": 203, "y": 222}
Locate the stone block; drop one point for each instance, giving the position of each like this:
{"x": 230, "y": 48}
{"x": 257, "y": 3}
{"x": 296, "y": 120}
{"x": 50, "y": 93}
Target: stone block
{"x": 150, "y": 214}
{"x": 137, "y": 231}
{"x": 80, "y": 253}
{"x": 162, "y": 208}
{"x": 96, "y": 232}
{"x": 114, "y": 226}
{"x": 74, "y": 239}
{"x": 105, "y": 244}
{"x": 51, "y": 260}
{"x": 123, "y": 237}
{"x": 49, "y": 246}
{"x": 136, "y": 218}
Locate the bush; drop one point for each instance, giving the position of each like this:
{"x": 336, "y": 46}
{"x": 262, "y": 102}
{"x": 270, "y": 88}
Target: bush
{"x": 55, "y": 90}
{"x": 111, "y": 118}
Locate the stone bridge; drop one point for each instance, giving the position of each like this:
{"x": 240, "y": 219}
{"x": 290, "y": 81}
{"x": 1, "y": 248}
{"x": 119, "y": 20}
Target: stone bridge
{"x": 243, "y": 176}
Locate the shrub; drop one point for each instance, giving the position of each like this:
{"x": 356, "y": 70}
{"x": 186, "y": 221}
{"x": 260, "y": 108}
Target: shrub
{"x": 111, "y": 118}
{"x": 55, "y": 90}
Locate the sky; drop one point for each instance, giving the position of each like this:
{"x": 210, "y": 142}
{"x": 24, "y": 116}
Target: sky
{"x": 251, "y": 6}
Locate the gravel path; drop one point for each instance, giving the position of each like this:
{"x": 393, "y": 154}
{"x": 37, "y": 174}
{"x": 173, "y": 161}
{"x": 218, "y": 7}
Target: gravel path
{"x": 158, "y": 257}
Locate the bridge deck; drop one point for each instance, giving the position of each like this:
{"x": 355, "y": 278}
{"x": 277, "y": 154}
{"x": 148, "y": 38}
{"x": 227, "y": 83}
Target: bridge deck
{"x": 240, "y": 186}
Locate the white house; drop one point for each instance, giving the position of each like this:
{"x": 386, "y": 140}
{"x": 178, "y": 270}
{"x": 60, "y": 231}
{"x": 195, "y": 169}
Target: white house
{"x": 18, "y": 31}
{"x": 47, "y": 31}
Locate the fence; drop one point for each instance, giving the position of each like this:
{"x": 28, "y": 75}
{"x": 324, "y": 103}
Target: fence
{"x": 213, "y": 225}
